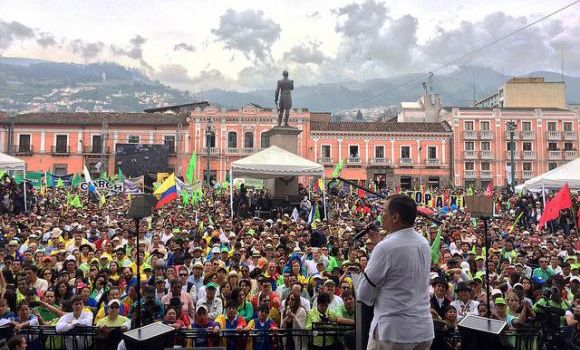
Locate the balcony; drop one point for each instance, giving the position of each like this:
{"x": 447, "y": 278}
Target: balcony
{"x": 95, "y": 149}
{"x": 486, "y": 135}
{"x": 233, "y": 150}
{"x": 380, "y": 161}
{"x": 570, "y": 136}
{"x": 486, "y": 154}
{"x": 470, "y": 154}
{"x": 353, "y": 160}
{"x": 212, "y": 150}
{"x": 249, "y": 150}
{"x": 527, "y": 174}
{"x": 432, "y": 161}
{"x": 470, "y": 135}
{"x": 405, "y": 161}
{"x": 516, "y": 135}
{"x": 23, "y": 150}
{"x": 528, "y": 155}
{"x": 325, "y": 160}
{"x": 508, "y": 155}
{"x": 528, "y": 135}
{"x": 554, "y": 155}
{"x": 569, "y": 154}
{"x": 485, "y": 174}
{"x": 60, "y": 150}
{"x": 470, "y": 174}
{"x": 554, "y": 135}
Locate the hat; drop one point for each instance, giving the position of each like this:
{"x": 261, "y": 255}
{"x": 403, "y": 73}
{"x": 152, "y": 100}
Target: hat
{"x": 114, "y": 301}
{"x": 518, "y": 285}
{"x": 479, "y": 258}
{"x": 433, "y": 275}
{"x": 159, "y": 279}
{"x": 197, "y": 264}
{"x": 329, "y": 282}
{"x": 440, "y": 280}
{"x": 13, "y": 242}
{"x": 462, "y": 286}
{"x": 215, "y": 250}
{"x": 496, "y": 292}
{"x": 500, "y": 301}
{"x": 225, "y": 250}
{"x": 201, "y": 307}
{"x": 232, "y": 273}
{"x": 297, "y": 250}
{"x": 574, "y": 278}
{"x": 211, "y": 285}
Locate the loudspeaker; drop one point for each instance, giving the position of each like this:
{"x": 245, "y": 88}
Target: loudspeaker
{"x": 151, "y": 337}
{"x": 142, "y": 206}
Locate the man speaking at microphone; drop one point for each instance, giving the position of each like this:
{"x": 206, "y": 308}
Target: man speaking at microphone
{"x": 396, "y": 282}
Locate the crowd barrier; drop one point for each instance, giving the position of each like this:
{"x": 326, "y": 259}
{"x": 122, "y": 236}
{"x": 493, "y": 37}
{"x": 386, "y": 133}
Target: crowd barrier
{"x": 321, "y": 336}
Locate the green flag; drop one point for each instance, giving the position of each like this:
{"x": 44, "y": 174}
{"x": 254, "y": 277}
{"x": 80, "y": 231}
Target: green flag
{"x": 103, "y": 175}
{"x": 191, "y": 167}
{"x": 317, "y": 213}
{"x": 338, "y": 169}
{"x": 516, "y": 222}
{"x": 470, "y": 191}
{"x": 120, "y": 176}
{"x": 76, "y": 202}
{"x": 59, "y": 183}
{"x": 436, "y": 247}
{"x": 185, "y": 198}
{"x": 76, "y": 180}
{"x": 209, "y": 220}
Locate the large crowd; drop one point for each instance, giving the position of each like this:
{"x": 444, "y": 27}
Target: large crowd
{"x": 72, "y": 267}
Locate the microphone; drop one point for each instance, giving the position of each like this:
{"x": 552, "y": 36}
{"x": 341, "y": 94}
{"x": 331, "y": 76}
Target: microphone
{"x": 373, "y": 226}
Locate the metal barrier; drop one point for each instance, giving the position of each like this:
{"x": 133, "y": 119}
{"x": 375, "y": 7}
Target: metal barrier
{"x": 324, "y": 336}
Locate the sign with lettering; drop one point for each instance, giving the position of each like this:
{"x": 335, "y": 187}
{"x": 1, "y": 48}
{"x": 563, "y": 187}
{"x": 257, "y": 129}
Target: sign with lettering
{"x": 103, "y": 185}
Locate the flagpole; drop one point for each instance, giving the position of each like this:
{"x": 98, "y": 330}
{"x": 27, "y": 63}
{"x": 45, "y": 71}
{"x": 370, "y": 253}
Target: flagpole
{"x": 544, "y": 200}
{"x": 324, "y": 199}
{"x": 231, "y": 194}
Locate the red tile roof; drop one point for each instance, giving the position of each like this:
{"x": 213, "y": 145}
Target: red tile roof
{"x": 442, "y": 127}
{"x": 98, "y": 118}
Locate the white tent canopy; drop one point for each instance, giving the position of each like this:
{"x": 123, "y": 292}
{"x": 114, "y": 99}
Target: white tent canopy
{"x": 556, "y": 178}
{"x": 275, "y": 162}
{"x": 9, "y": 163}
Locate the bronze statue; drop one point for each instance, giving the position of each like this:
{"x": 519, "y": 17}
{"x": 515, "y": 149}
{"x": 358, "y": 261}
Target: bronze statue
{"x": 284, "y": 91}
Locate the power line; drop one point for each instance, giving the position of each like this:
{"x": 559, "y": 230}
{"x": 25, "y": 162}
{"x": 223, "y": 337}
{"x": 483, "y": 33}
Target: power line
{"x": 474, "y": 51}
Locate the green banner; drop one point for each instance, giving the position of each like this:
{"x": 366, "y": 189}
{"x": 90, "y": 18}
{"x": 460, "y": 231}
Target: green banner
{"x": 34, "y": 177}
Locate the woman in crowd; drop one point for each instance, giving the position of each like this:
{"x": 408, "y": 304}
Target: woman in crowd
{"x": 294, "y": 317}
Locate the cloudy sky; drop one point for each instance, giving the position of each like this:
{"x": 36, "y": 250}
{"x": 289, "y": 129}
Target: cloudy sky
{"x": 196, "y": 45}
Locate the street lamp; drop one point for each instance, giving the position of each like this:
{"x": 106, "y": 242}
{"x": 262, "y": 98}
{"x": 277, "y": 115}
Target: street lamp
{"x": 511, "y": 126}
{"x": 208, "y": 134}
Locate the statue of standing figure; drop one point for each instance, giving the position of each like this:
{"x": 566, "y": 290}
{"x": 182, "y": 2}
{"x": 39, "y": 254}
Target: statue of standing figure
{"x": 284, "y": 91}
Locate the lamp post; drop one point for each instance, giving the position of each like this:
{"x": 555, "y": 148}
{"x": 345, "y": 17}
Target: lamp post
{"x": 207, "y": 144}
{"x": 511, "y": 126}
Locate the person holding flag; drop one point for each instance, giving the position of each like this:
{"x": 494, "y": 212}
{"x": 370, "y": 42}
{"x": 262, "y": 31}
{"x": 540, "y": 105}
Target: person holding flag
{"x": 166, "y": 192}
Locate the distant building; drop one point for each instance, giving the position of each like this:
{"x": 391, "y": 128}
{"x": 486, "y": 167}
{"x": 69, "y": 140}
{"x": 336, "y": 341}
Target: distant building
{"x": 530, "y": 92}
{"x": 427, "y": 110}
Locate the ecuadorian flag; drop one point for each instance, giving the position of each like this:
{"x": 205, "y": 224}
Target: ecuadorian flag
{"x": 167, "y": 192}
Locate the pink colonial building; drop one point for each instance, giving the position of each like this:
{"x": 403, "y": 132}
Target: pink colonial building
{"x": 544, "y": 138}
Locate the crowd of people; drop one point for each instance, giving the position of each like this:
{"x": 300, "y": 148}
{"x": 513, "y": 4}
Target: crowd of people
{"x": 77, "y": 267}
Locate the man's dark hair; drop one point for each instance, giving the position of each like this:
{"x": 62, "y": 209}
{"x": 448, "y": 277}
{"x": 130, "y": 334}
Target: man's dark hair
{"x": 231, "y": 303}
{"x": 404, "y": 206}
{"x": 323, "y": 298}
{"x": 263, "y": 308}
{"x": 76, "y": 299}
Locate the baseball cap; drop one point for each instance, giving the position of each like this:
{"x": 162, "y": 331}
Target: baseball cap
{"x": 114, "y": 301}
{"x": 211, "y": 285}
{"x": 200, "y": 307}
{"x": 500, "y": 301}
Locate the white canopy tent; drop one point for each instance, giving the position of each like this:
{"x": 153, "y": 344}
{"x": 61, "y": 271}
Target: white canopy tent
{"x": 12, "y": 164}
{"x": 274, "y": 162}
{"x": 555, "y": 178}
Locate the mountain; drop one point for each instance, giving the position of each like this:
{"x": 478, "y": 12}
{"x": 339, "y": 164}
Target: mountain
{"x": 28, "y": 85}
{"x": 36, "y": 85}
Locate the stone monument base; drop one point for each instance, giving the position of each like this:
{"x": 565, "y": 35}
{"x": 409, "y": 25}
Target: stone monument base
{"x": 285, "y": 137}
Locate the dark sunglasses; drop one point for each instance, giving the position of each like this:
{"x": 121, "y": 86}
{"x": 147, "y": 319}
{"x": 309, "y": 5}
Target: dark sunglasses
{"x": 114, "y": 306}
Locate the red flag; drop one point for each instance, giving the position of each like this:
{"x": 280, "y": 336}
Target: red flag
{"x": 578, "y": 224}
{"x": 426, "y": 211}
{"x": 489, "y": 191}
{"x": 361, "y": 193}
{"x": 560, "y": 201}
{"x": 315, "y": 187}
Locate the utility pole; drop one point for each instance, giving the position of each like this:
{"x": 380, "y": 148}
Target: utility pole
{"x": 511, "y": 126}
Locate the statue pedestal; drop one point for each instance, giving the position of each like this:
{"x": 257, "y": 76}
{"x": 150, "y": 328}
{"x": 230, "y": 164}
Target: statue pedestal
{"x": 286, "y": 138}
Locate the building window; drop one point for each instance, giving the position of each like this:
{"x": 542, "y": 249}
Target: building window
{"x": 552, "y": 166}
{"x": 24, "y": 143}
{"x": 59, "y": 169}
{"x": 380, "y": 152}
{"x": 568, "y": 146}
{"x": 249, "y": 140}
{"x": 552, "y": 146}
{"x": 468, "y": 125}
{"x": 527, "y": 166}
{"x": 486, "y": 146}
{"x": 485, "y": 166}
{"x": 133, "y": 139}
{"x": 232, "y": 139}
{"x": 97, "y": 144}
{"x": 405, "y": 152}
{"x": 568, "y": 126}
{"x": 552, "y": 126}
{"x": 526, "y": 126}
{"x": 264, "y": 140}
{"x": 469, "y": 146}
{"x": 469, "y": 166}
{"x": 484, "y": 126}
{"x": 61, "y": 144}
{"x": 210, "y": 139}
{"x": 431, "y": 152}
{"x": 527, "y": 146}
{"x": 508, "y": 146}
{"x": 325, "y": 150}
{"x": 169, "y": 140}
{"x": 353, "y": 151}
